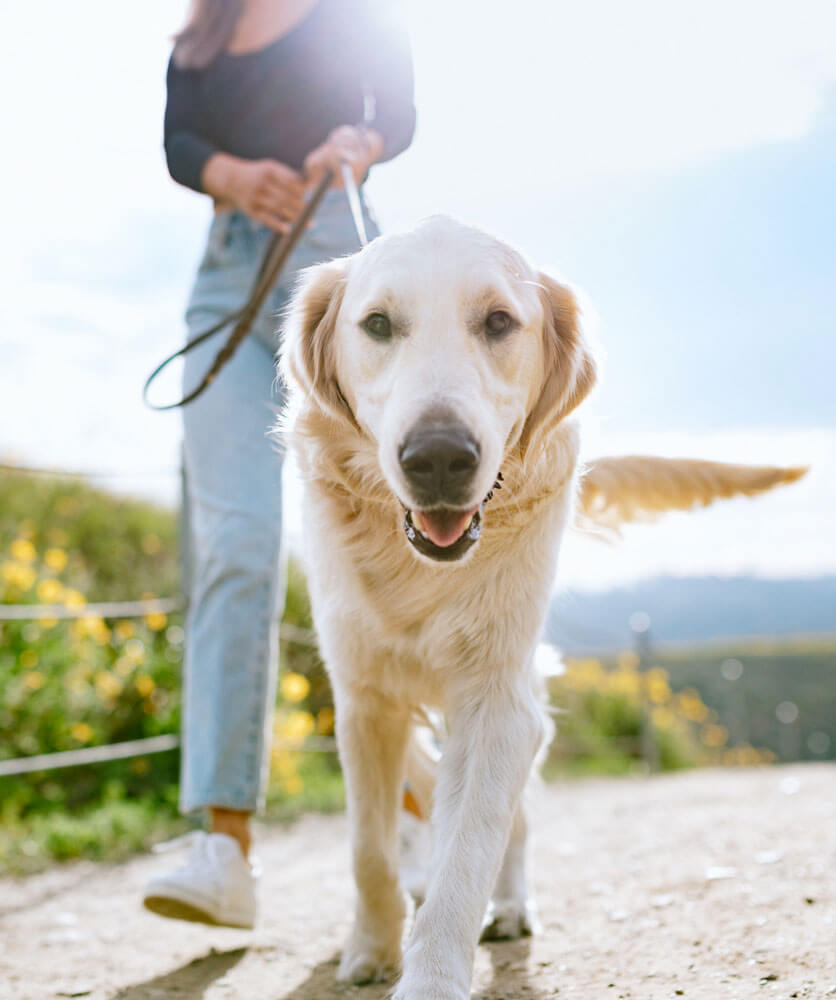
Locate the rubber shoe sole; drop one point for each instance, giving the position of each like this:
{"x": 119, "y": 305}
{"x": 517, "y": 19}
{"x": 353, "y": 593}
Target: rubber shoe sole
{"x": 179, "y": 909}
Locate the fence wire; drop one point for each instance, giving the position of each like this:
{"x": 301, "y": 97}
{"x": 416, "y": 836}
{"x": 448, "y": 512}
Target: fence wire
{"x": 123, "y": 609}
{"x": 33, "y": 470}
{"x": 133, "y": 748}
{"x": 104, "y": 609}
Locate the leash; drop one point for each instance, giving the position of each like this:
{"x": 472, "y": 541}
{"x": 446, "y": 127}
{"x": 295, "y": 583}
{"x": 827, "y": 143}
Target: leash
{"x": 274, "y": 259}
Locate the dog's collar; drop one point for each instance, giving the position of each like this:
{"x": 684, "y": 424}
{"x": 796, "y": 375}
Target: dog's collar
{"x": 453, "y": 552}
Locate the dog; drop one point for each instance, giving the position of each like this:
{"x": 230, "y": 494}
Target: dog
{"x": 432, "y": 382}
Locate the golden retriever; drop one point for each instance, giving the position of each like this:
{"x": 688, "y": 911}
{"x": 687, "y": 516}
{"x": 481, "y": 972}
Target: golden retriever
{"x": 432, "y": 377}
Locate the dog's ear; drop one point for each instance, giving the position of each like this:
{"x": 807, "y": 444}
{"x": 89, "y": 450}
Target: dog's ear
{"x": 308, "y": 354}
{"x": 569, "y": 367}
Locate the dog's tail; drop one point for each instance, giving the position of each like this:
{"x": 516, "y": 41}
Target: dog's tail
{"x": 616, "y": 490}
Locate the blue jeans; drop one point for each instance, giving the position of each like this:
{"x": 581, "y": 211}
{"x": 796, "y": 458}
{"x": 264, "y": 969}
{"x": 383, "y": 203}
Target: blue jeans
{"x": 233, "y": 512}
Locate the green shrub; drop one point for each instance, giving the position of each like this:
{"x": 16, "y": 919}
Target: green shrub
{"x": 67, "y": 684}
{"x": 614, "y": 719}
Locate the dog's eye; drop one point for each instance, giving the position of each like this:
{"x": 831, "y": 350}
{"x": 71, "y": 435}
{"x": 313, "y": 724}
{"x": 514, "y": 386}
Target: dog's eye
{"x": 377, "y": 326}
{"x": 498, "y": 323}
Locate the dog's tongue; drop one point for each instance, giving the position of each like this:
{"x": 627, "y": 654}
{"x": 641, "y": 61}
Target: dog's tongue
{"x": 443, "y": 527}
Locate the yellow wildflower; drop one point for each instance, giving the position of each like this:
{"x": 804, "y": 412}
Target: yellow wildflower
{"x": 294, "y": 728}
{"x": 18, "y": 574}
{"x": 47, "y": 622}
{"x": 28, "y": 659}
{"x": 76, "y": 681}
{"x": 56, "y": 559}
{"x": 583, "y": 674}
{"x": 49, "y": 591}
{"x": 124, "y": 666}
{"x": 124, "y": 630}
{"x": 94, "y": 628}
{"x": 663, "y": 719}
{"x": 82, "y": 732}
{"x": 691, "y": 705}
{"x": 23, "y": 550}
{"x": 715, "y": 736}
{"x": 34, "y": 680}
{"x": 625, "y": 682}
{"x": 135, "y": 650}
{"x": 156, "y": 621}
{"x": 325, "y": 721}
{"x": 658, "y": 689}
{"x": 107, "y": 686}
{"x": 144, "y": 684}
{"x": 284, "y": 762}
{"x": 74, "y": 599}
{"x": 294, "y": 687}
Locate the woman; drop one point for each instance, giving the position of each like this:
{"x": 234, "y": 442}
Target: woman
{"x": 263, "y": 97}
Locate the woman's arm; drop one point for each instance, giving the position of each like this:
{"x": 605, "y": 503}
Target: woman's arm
{"x": 357, "y": 146}
{"x": 266, "y": 190}
{"x": 186, "y": 150}
{"x": 386, "y": 59}
{"x": 389, "y": 76}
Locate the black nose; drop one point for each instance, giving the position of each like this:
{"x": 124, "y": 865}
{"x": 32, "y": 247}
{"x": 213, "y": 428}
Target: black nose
{"x": 439, "y": 463}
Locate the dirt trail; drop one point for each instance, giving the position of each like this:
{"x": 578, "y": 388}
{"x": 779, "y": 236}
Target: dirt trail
{"x": 707, "y": 884}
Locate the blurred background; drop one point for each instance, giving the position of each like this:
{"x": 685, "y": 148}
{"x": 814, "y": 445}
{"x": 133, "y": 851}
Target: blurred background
{"x": 675, "y": 162}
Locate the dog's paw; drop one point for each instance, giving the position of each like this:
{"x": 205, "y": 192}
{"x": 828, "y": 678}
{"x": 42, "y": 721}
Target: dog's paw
{"x": 428, "y": 990}
{"x": 508, "y": 920}
{"x": 423, "y": 994}
{"x": 434, "y": 969}
{"x": 358, "y": 967}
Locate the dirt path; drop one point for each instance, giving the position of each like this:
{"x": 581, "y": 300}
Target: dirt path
{"x": 707, "y": 884}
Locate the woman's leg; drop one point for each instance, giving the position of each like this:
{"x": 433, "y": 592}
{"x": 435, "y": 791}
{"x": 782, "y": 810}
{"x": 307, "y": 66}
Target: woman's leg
{"x": 233, "y": 492}
{"x": 233, "y": 476}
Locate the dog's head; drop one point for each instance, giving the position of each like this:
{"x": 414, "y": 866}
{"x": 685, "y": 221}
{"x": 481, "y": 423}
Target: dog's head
{"x": 446, "y": 349}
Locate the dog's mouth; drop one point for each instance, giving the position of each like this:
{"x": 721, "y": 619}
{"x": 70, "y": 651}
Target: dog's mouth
{"x": 443, "y": 534}
{"x": 446, "y": 533}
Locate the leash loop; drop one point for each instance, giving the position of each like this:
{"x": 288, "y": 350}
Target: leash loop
{"x": 275, "y": 257}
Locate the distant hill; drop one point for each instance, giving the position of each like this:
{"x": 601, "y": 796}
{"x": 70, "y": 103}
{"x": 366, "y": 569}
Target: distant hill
{"x": 693, "y": 609}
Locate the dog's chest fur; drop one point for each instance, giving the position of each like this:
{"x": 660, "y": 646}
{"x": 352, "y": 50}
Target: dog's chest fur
{"x": 430, "y": 618}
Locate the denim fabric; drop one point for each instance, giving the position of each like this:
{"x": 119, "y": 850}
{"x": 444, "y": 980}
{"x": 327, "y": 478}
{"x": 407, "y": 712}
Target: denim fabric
{"x": 233, "y": 512}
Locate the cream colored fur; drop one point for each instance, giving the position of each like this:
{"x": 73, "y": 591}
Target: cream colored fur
{"x": 616, "y": 490}
{"x": 398, "y": 631}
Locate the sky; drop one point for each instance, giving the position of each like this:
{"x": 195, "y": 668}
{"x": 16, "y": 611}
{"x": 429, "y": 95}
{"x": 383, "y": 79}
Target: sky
{"x": 673, "y": 161}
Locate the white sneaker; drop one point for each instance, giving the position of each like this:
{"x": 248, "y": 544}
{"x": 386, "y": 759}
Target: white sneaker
{"x": 215, "y": 886}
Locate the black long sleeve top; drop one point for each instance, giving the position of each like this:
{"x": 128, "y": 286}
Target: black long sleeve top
{"x": 342, "y": 63}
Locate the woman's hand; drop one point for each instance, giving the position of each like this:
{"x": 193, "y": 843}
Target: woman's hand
{"x": 358, "y": 147}
{"x": 267, "y": 191}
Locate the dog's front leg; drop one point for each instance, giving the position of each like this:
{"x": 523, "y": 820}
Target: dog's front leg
{"x": 494, "y": 735}
{"x": 372, "y": 734}
{"x": 513, "y": 912}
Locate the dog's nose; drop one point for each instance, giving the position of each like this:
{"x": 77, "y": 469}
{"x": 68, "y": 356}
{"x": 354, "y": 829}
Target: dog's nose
{"x": 439, "y": 464}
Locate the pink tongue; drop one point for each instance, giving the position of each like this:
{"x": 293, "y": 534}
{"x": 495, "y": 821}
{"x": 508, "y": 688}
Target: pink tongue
{"x": 443, "y": 527}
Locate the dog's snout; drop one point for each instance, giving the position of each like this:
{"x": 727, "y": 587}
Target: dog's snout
{"x": 439, "y": 463}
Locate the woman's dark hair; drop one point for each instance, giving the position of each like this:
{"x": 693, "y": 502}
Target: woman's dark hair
{"x": 207, "y": 32}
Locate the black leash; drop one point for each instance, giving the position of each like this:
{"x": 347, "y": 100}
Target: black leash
{"x": 275, "y": 257}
